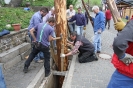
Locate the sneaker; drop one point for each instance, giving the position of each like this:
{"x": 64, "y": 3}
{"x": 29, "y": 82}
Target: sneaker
{"x": 25, "y": 70}
{"x": 39, "y": 61}
{"x": 98, "y": 51}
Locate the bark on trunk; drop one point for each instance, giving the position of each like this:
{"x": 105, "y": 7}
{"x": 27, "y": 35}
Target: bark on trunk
{"x": 61, "y": 27}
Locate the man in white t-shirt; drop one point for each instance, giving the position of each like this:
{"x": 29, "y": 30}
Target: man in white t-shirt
{"x": 71, "y": 12}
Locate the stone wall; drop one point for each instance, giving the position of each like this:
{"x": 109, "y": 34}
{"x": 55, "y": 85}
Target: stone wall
{"x": 13, "y": 39}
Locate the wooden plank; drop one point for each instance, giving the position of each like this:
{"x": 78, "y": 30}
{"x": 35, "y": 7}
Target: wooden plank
{"x": 130, "y": 12}
{"x": 53, "y": 54}
{"x": 60, "y": 73}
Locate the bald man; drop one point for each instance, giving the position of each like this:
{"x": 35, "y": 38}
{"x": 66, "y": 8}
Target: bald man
{"x": 71, "y": 12}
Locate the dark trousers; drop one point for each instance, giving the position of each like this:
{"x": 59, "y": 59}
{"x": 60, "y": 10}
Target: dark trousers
{"x": 107, "y": 21}
{"x": 46, "y": 53}
{"x": 86, "y": 57}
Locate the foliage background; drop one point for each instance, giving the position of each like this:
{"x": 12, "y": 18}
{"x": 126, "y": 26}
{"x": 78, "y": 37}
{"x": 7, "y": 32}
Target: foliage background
{"x": 10, "y": 15}
{"x": 14, "y": 15}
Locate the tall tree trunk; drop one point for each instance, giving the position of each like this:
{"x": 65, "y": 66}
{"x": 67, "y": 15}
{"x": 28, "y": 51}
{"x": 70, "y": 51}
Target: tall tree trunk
{"x": 61, "y": 27}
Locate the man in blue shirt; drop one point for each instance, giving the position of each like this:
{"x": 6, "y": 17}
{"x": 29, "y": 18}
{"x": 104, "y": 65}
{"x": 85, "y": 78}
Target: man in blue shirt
{"x": 43, "y": 39}
{"x": 99, "y": 26}
{"x": 36, "y": 19}
{"x": 80, "y": 21}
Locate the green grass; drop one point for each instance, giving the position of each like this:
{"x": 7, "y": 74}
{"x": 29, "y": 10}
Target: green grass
{"x": 94, "y": 2}
{"x": 46, "y": 3}
{"x": 123, "y": 19}
{"x": 13, "y": 16}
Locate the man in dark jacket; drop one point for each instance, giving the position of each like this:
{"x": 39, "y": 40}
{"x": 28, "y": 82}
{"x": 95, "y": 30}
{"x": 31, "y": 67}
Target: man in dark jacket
{"x": 84, "y": 46}
{"x": 80, "y": 21}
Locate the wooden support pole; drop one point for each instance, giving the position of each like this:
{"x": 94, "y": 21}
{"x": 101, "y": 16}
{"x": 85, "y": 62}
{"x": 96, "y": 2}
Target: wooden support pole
{"x": 53, "y": 54}
{"x": 115, "y": 14}
{"x": 130, "y": 13}
{"x": 87, "y": 12}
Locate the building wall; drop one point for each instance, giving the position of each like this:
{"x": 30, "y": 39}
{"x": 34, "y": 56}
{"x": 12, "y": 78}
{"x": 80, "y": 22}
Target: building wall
{"x": 127, "y": 12}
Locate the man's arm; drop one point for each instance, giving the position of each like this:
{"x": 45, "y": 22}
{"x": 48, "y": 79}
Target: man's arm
{"x": 75, "y": 48}
{"x": 72, "y": 19}
{"x": 102, "y": 21}
{"x": 32, "y": 33}
{"x": 37, "y": 20}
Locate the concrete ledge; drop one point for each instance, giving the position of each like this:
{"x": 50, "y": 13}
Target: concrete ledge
{"x": 49, "y": 82}
{"x": 12, "y": 62}
{"x": 69, "y": 74}
{"x": 26, "y": 53}
{"x": 24, "y": 47}
{"x": 12, "y": 53}
{"x": 6, "y": 56}
{"x": 36, "y": 82}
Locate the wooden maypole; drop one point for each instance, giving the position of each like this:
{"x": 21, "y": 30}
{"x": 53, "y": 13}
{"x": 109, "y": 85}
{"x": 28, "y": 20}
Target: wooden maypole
{"x": 61, "y": 28}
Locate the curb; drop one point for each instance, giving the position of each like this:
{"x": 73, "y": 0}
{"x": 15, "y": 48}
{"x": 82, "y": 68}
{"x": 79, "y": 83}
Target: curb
{"x": 36, "y": 82}
{"x": 69, "y": 74}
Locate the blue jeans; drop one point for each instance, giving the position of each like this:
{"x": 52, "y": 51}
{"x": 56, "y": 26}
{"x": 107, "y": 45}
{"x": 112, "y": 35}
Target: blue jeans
{"x": 79, "y": 30}
{"x": 40, "y": 54}
{"x": 2, "y": 81}
{"x": 119, "y": 80}
{"x": 72, "y": 27}
{"x": 97, "y": 41}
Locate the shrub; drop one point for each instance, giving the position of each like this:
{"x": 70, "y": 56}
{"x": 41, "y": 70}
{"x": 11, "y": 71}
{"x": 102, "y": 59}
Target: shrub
{"x": 13, "y": 16}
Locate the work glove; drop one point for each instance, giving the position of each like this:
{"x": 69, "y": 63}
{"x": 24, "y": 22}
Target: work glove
{"x": 119, "y": 25}
{"x": 84, "y": 28}
{"x": 62, "y": 55}
{"x": 127, "y": 60}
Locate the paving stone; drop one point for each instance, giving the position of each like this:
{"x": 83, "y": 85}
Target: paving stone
{"x": 96, "y": 74}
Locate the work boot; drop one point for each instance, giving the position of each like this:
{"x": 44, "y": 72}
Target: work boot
{"x": 98, "y": 51}
{"x": 25, "y": 70}
{"x": 95, "y": 57}
{"x": 47, "y": 74}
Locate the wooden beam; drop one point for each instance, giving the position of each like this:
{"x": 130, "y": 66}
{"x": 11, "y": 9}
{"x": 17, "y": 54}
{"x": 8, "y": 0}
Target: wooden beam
{"x": 123, "y": 6}
{"x": 59, "y": 73}
{"x": 87, "y": 12}
{"x": 130, "y": 13}
{"x": 53, "y": 53}
{"x": 115, "y": 14}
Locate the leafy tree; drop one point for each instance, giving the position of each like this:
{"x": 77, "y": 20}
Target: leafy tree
{"x": 71, "y": 2}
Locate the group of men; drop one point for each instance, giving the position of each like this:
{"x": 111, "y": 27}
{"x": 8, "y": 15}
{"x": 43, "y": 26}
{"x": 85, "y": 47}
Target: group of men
{"x": 41, "y": 31}
{"x": 43, "y": 21}
{"x": 123, "y": 43}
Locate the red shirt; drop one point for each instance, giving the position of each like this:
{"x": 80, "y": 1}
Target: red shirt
{"x": 120, "y": 66}
{"x": 108, "y": 14}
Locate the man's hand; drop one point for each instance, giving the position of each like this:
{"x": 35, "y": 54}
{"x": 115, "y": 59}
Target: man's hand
{"x": 119, "y": 25}
{"x": 62, "y": 55}
{"x": 127, "y": 60}
{"x": 84, "y": 28}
